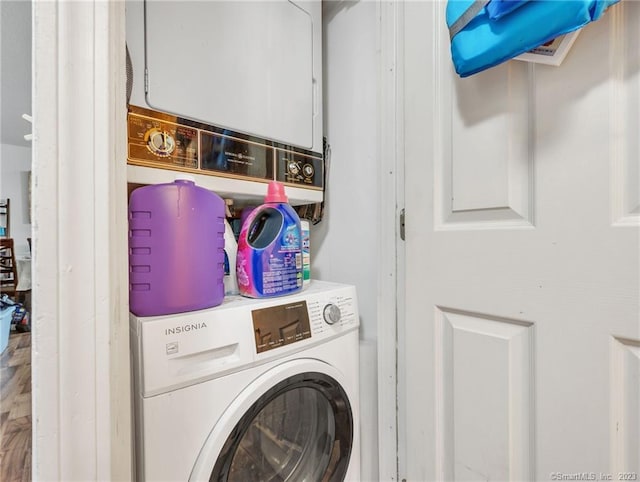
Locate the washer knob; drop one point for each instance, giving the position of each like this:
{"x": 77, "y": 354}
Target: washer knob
{"x": 331, "y": 314}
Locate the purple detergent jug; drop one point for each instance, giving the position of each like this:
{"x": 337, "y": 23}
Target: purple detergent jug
{"x": 176, "y": 248}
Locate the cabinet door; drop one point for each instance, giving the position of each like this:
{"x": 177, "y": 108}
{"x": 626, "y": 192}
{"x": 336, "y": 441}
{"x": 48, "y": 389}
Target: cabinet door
{"x": 246, "y": 66}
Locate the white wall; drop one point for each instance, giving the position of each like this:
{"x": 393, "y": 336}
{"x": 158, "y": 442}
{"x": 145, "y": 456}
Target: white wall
{"x": 15, "y": 100}
{"x": 344, "y": 244}
{"x": 15, "y": 71}
{"x": 15, "y": 165}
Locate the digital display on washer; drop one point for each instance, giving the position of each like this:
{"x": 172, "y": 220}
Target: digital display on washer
{"x": 280, "y": 325}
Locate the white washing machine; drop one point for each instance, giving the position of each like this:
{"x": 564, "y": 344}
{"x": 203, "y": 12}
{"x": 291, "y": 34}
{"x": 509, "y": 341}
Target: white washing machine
{"x": 252, "y": 390}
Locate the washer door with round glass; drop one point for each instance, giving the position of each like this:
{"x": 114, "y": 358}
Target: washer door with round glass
{"x": 301, "y": 429}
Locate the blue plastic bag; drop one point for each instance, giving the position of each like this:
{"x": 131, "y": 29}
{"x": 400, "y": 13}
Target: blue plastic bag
{"x": 500, "y": 8}
{"x": 479, "y": 41}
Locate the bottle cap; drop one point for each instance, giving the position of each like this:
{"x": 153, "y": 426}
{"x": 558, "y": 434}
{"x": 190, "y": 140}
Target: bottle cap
{"x": 275, "y": 193}
{"x": 184, "y": 177}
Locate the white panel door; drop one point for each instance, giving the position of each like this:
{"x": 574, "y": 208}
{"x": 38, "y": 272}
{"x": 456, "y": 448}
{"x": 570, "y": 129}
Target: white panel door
{"x": 520, "y": 348}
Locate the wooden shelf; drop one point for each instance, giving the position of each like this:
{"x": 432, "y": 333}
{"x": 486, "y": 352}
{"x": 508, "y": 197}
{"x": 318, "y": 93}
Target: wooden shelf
{"x": 8, "y": 270}
{"x": 237, "y": 189}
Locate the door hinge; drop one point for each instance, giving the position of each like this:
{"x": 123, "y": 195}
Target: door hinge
{"x": 402, "y": 224}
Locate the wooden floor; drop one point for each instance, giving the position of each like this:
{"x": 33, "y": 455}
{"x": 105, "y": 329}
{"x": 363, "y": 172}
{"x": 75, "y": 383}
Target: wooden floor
{"x": 15, "y": 409}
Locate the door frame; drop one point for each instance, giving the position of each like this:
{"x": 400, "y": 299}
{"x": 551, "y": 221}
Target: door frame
{"x": 88, "y": 435}
{"x": 80, "y": 344}
{"x": 390, "y": 245}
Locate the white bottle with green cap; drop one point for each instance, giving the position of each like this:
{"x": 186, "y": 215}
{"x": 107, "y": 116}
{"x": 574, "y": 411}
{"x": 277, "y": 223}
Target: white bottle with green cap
{"x": 306, "y": 252}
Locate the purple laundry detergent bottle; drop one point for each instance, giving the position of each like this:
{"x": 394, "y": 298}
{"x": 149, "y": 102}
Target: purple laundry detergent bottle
{"x": 269, "y": 258}
{"x": 176, "y": 248}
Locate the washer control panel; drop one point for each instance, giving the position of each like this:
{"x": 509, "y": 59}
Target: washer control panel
{"x": 162, "y": 141}
{"x": 159, "y": 139}
{"x": 332, "y": 314}
{"x": 315, "y": 317}
{"x": 178, "y": 350}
